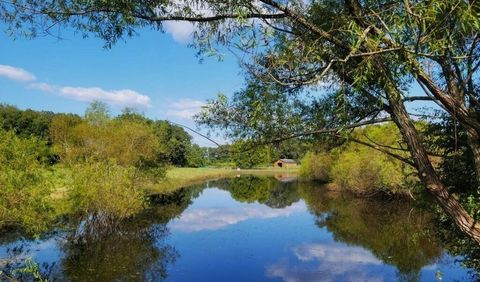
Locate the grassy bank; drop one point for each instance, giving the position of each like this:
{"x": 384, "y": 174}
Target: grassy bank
{"x": 177, "y": 178}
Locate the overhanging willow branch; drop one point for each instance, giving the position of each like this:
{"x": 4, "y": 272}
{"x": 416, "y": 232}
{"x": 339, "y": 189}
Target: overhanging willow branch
{"x": 322, "y": 131}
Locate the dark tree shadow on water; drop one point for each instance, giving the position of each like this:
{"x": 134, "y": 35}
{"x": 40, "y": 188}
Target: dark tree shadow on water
{"x": 129, "y": 254}
{"x": 134, "y": 249}
{"x": 395, "y": 231}
{"x": 97, "y": 248}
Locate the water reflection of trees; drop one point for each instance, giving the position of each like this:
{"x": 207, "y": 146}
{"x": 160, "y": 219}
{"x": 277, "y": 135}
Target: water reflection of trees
{"x": 132, "y": 249}
{"x": 264, "y": 190}
{"x": 133, "y": 253}
{"x": 458, "y": 244}
{"x": 393, "y": 231}
{"x": 135, "y": 250}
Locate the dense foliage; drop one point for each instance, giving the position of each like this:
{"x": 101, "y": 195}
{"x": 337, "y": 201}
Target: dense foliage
{"x": 62, "y": 130}
{"x": 94, "y": 167}
{"x": 25, "y": 182}
{"x": 359, "y": 168}
{"x": 457, "y": 165}
{"x": 25, "y": 123}
{"x": 104, "y": 193}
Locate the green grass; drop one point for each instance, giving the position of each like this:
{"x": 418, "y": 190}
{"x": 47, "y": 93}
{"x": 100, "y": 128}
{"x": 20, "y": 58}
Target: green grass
{"x": 177, "y": 178}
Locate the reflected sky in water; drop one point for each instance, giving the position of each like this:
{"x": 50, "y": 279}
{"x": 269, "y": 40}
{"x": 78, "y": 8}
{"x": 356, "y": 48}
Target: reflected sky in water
{"x": 220, "y": 239}
{"x": 215, "y": 209}
{"x": 253, "y": 229}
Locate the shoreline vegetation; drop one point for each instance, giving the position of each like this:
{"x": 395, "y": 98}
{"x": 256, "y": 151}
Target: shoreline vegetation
{"x": 103, "y": 167}
{"x": 63, "y": 164}
{"x": 177, "y": 178}
{"x": 100, "y": 171}
{"x": 182, "y": 177}
{"x": 363, "y": 170}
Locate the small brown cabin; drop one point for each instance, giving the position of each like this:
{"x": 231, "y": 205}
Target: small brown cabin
{"x": 285, "y": 163}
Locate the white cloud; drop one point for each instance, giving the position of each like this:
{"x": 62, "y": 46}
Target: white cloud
{"x": 180, "y": 31}
{"x": 45, "y": 87}
{"x": 327, "y": 273}
{"x": 185, "y": 108}
{"x": 17, "y": 74}
{"x": 123, "y": 97}
{"x": 216, "y": 218}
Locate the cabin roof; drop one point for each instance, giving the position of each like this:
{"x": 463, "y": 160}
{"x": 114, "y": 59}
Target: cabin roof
{"x": 288, "y": 161}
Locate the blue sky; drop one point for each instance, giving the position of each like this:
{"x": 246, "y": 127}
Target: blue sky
{"x": 156, "y": 73}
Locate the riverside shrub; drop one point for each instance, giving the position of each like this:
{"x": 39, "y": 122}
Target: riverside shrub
{"x": 360, "y": 168}
{"x": 24, "y": 182}
{"x": 316, "y": 166}
{"x": 106, "y": 190}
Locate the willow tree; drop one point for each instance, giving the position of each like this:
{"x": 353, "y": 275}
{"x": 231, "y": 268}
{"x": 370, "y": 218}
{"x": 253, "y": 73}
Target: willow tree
{"x": 373, "y": 51}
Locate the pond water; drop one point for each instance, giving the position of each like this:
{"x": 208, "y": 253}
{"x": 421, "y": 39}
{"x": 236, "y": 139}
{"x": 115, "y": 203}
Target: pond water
{"x": 252, "y": 229}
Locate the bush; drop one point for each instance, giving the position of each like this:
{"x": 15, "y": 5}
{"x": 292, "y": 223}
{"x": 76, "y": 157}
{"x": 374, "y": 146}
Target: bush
{"x": 24, "y": 181}
{"x": 363, "y": 169}
{"x": 105, "y": 190}
{"x": 129, "y": 143}
{"x": 316, "y": 166}
{"x": 196, "y": 156}
{"x": 360, "y": 168}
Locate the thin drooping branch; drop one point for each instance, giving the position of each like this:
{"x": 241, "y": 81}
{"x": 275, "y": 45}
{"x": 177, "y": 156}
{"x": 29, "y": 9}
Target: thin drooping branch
{"x": 278, "y": 28}
{"x": 397, "y": 148}
{"x": 378, "y": 148}
{"x": 322, "y": 131}
{"x": 196, "y": 132}
{"x": 209, "y": 18}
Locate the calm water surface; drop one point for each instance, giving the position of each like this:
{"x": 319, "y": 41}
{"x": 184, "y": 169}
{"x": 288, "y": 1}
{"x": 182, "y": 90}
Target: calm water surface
{"x": 253, "y": 229}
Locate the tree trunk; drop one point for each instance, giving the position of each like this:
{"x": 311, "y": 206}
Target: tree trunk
{"x": 473, "y": 139}
{"x": 426, "y": 172}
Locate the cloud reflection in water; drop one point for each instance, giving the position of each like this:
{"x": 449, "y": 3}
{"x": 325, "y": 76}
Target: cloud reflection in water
{"x": 330, "y": 262}
{"x": 213, "y": 218}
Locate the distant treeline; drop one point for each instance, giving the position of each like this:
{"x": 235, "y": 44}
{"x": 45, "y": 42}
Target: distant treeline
{"x": 176, "y": 144}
